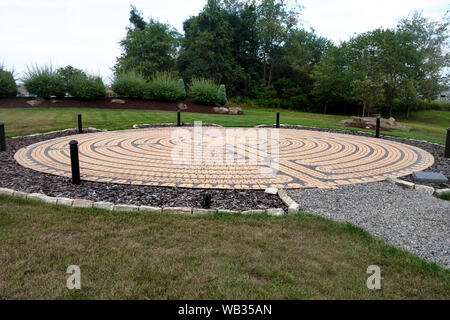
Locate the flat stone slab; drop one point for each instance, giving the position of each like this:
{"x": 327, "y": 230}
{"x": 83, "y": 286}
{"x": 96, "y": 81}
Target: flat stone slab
{"x": 177, "y": 210}
{"x": 421, "y": 176}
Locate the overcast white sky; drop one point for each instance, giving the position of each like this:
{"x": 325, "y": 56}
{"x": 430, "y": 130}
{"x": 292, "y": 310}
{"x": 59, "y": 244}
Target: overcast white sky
{"x": 85, "y": 33}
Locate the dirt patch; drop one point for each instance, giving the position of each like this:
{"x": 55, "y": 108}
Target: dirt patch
{"x": 105, "y": 103}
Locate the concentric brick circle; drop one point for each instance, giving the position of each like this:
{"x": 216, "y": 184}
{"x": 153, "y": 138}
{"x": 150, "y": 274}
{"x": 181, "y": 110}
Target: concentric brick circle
{"x": 255, "y": 159}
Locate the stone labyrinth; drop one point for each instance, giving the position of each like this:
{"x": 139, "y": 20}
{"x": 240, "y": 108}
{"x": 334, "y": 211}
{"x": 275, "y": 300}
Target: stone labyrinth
{"x": 285, "y": 158}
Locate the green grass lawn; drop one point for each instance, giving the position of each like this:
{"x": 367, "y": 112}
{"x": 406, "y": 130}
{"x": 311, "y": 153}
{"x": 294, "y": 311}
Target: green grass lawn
{"x": 426, "y": 125}
{"x": 158, "y": 256}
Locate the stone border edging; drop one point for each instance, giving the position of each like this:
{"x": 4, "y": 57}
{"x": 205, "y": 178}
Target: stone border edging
{"x": 415, "y": 186}
{"x": 88, "y": 130}
{"x": 84, "y": 203}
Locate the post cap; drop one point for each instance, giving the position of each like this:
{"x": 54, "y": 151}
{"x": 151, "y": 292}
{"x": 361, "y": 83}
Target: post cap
{"x": 73, "y": 142}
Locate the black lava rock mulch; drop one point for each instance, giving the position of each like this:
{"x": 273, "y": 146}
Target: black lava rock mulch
{"x": 14, "y": 176}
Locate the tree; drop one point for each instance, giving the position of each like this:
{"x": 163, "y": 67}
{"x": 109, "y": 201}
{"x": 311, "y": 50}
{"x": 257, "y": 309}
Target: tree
{"x": 148, "y": 49}
{"x": 218, "y": 45}
{"x": 137, "y": 21}
{"x": 68, "y": 73}
{"x": 275, "y": 21}
{"x": 368, "y": 92}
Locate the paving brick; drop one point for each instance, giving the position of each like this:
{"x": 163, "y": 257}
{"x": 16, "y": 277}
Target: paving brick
{"x": 150, "y": 208}
{"x": 293, "y": 208}
{"x": 64, "y": 201}
{"x": 20, "y": 194}
{"x": 202, "y": 211}
{"x": 126, "y": 207}
{"x": 82, "y": 203}
{"x": 6, "y": 192}
{"x": 177, "y": 210}
{"x": 104, "y": 205}
{"x": 275, "y": 212}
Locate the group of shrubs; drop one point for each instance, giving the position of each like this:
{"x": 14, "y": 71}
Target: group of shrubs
{"x": 8, "y": 86}
{"x": 46, "y": 82}
{"x": 165, "y": 86}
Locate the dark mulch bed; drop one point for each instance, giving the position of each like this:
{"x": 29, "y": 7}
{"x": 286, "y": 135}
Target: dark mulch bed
{"x": 19, "y": 178}
{"x": 105, "y": 103}
{"x": 441, "y": 164}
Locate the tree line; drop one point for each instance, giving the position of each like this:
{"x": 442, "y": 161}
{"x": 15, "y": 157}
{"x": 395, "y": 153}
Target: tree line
{"x": 259, "y": 50}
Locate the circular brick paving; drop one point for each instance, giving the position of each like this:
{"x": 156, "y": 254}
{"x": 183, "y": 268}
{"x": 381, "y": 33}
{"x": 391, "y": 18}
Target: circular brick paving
{"x": 228, "y": 158}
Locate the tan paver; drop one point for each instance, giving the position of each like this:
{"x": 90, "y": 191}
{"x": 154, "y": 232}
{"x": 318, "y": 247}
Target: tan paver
{"x": 307, "y": 159}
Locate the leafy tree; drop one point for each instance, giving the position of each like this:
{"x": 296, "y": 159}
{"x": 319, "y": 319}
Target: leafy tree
{"x": 275, "y": 21}
{"x": 210, "y": 47}
{"x": 368, "y": 92}
{"x": 137, "y": 21}
{"x": 148, "y": 49}
{"x": 8, "y": 87}
{"x": 69, "y": 72}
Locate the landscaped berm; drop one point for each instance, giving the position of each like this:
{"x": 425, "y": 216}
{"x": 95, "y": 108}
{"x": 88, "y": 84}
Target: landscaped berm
{"x": 232, "y": 158}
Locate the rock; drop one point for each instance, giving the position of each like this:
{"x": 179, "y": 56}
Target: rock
{"x": 119, "y": 101}
{"x": 6, "y": 192}
{"x": 271, "y": 190}
{"x": 276, "y": 212}
{"x": 177, "y": 210}
{"x": 294, "y": 208}
{"x": 82, "y": 203}
{"x": 149, "y": 208}
{"x": 424, "y": 189}
{"x": 391, "y": 179}
{"x": 125, "y": 207}
{"x": 20, "y": 194}
{"x": 203, "y": 211}
{"x": 404, "y": 184}
{"x": 64, "y": 201}
{"x": 235, "y": 110}
{"x": 104, "y": 205}
{"x": 228, "y": 211}
{"x": 284, "y": 197}
{"x": 221, "y": 110}
{"x": 253, "y": 211}
{"x": 55, "y": 101}
{"x": 34, "y": 103}
{"x": 182, "y": 106}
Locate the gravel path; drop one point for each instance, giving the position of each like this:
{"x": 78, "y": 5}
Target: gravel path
{"x": 409, "y": 219}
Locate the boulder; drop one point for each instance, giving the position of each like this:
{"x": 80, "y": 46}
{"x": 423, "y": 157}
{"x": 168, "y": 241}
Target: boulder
{"x": 119, "y": 101}
{"x": 221, "y": 110}
{"x": 235, "y": 110}
{"x": 34, "y": 103}
{"x": 182, "y": 106}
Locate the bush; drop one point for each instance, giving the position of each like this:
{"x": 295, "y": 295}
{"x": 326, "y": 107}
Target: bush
{"x": 86, "y": 87}
{"x": 222, "y": 95}
{"x": 203, "y": 91}
{"x": 8, "y": 87}
{"x": 300, "y": 102}
{"x": 181, "y": 90}
{"x": 44, "y": 82}
{"x": 164, "y": 86}
{"x": 130, "y": 85}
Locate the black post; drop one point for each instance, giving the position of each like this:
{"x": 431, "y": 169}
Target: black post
{"x": 377, "y": 131}
{"x": 2, "y": 137}
{"x": 447, "y": 144}
{"x": 80, "y": 124}
{"x": 278, "y": 119}
{"x": 75, "y": 162}
{"x": 207, "y": 199}
{"x": 178, "y": 118}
